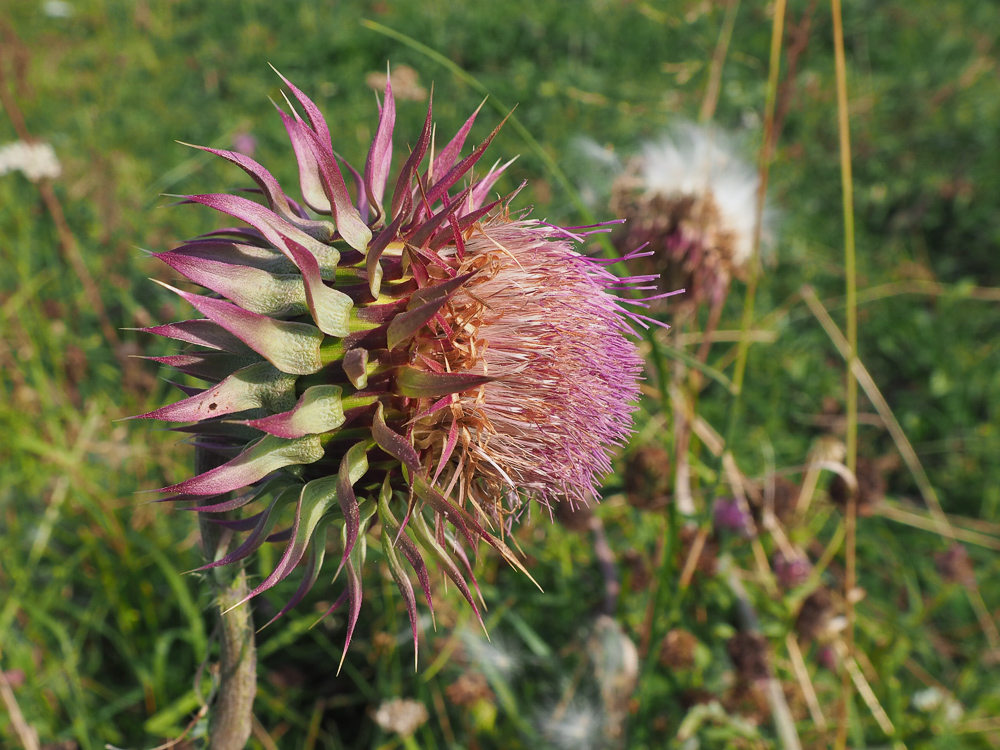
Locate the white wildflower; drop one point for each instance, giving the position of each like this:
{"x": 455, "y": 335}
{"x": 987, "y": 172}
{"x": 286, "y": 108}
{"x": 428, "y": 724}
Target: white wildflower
{"x": 402, "y": 716}
{"x": 934, "y": 698}
{"x": 57, "y": 9}
{"x": 37, "y": 160}
{"x": 928, "y": 700}
{"x": 953, "y": 710}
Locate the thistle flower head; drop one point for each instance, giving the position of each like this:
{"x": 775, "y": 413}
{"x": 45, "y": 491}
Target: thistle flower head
{"x": 426, "y": 363}
{"x": 694, "y": 203}
{"x": 814, "y": 615}
{"x": 729, "y": 514}
{"x": 792, "y": 569}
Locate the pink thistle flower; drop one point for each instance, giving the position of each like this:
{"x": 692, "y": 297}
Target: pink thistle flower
{"x": 428, "y": 363}
{"x": 791, "y": 571}
{"x": 245, "y": 143}
{"x": 729, "y": 514}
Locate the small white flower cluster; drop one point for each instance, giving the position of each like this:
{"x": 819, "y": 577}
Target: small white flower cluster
{"x": 933, "y": 698}
{"x": 57, "y": 9}
{"x": 402, "y": 716}
{"x": 37, "y": 160}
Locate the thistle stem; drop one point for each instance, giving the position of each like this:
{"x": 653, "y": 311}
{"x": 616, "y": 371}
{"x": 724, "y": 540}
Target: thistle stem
{"x": 609, "y": 571}
{"x": 231, "y": 717}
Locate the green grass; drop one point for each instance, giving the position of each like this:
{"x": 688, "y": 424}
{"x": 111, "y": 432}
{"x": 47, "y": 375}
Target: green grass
{"x": 103, "y": 637}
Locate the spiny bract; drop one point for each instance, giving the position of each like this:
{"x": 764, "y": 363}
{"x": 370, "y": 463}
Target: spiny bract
{"x": 427, "y": 364}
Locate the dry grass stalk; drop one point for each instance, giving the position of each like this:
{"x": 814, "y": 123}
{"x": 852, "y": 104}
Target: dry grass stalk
{"x": 24, "y": 731}
{"x": 864, "y": 689}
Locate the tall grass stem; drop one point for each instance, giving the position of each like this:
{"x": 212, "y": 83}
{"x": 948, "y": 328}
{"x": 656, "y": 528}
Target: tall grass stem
{"x": 850, "y": 272}
{"x": 711, "y": 99}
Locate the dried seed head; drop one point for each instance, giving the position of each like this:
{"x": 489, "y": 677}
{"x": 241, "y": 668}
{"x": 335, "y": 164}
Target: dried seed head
{"x": 872, "y": 487}
{"x": 748, "y": 700}
{"x": 695, "y": 204}
{"x": 677, "y": 649}
{"x": 707, "y": 559}
{"x": 814, "y": 614}
{"x": 955, "y": 566}
{"x": 575, "y": 516}
{"x": 647, "y": 477}
{"x": 639, "y": 570}
{"x": 750, "y": 655}
{"x": 469, "y": 689}
{"x": 785, "y": 498}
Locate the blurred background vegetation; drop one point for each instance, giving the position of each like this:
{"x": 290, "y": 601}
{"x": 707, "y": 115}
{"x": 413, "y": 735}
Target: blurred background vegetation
{"x": 103, "y": 641}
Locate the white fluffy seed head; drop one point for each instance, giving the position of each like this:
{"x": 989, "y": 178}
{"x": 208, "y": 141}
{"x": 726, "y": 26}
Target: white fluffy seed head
{"x": 702, "y": 162}
{"x": 578, "y": 726}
